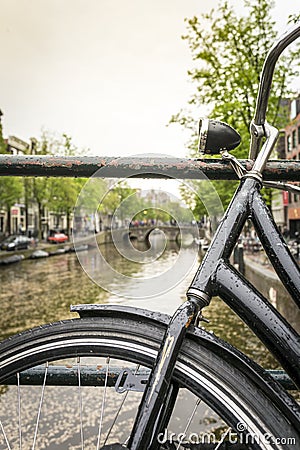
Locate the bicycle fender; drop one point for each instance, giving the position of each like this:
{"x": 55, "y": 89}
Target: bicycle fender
{"x": 247, "y": 366}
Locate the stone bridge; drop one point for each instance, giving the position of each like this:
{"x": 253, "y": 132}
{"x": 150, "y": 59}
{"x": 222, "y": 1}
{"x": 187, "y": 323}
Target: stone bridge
{"x": 142, "y": 233}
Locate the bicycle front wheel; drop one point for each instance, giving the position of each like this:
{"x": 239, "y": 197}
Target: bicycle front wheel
{"x": 216, "y": 401}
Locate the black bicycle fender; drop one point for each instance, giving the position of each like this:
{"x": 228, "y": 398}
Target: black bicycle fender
{"x": 248, "y": 367}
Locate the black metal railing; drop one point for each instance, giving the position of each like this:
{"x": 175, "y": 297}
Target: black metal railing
{"x": 139, "y": 167}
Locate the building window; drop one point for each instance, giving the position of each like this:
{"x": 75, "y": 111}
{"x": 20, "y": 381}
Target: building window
{"x": 289, "y": 143}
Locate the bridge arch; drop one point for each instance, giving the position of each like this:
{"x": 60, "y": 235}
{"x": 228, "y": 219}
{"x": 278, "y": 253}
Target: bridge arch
{"x": 172, "y": 232}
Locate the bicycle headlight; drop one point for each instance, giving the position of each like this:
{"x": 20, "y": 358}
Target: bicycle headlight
{"x": 216, "y": 136}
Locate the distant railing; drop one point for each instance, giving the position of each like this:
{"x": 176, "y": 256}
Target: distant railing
{"x": 138, "y": 167}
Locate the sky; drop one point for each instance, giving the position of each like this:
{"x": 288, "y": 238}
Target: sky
{"x": 109, "y": 73}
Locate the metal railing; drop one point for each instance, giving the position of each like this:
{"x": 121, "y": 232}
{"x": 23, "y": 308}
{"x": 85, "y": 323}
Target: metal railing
{"x": 138, "y": 167}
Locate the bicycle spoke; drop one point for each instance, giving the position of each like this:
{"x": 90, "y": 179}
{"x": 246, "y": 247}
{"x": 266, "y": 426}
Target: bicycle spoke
{"x": 223, "y": 438}
{"x": 116, "y": 417}
{"x": 80, "y": 403}
{"x": 19, "y": 411}
{"x": 40, "y": 407}
{"x": 5, "y": 437}
{"x": 190, "y": 420}
{"x": 197, "y": 373}
{"x": 119, "y": 410}
{"x": 103, "y": 403}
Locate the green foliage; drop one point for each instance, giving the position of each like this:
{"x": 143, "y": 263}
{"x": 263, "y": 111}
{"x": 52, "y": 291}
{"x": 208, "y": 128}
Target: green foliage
{"x": 152, "y": 213}
{"x": 166, "y": 212}
{"x": 58, "y": 194}
{"x": 203, "y": 199}
{"x": 91, "y": 196}
{"x": 11, "y": 190}
{"x": 2, "y": 142}
{"x": 228, "y": 53}
{"x": 293, "y": 18}
{"x": 63, "y": 196}
{"x": 127, "y": 203}
{"x": 120, "y": 200}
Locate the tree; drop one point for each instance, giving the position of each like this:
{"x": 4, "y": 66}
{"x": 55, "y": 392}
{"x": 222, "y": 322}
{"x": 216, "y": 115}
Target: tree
{"x": 205, "y": 201}
{"x": 228, "y": 52}
{"x": 11, "y": 190}
{"x": 2, "y": 142}
{"x": 121, "y": 201}
{"x": 63, "y": 195}
{"x": 63, "y": 192}
{"x": 10, "y": 187}
{"x": 58, "y": 194}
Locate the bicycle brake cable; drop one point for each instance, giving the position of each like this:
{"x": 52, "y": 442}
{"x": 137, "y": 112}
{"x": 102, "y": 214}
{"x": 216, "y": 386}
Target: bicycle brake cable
{"x": 283, "y": 186}
{"x": 240, "y": 171}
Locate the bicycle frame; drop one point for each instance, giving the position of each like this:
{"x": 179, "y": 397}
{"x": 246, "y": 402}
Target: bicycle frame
{"x": 216, "y": 276}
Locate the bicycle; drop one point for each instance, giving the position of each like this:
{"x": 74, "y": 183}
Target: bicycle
{"x": 163, "y": 356}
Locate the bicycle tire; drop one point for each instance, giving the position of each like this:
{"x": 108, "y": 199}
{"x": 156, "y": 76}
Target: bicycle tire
{"x": 205, "y": 370}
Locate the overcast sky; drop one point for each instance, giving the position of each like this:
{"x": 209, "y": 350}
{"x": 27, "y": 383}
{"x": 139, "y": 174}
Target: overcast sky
{"x": 110, "y": 73}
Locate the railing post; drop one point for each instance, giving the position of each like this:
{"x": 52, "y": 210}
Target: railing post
{"x": 238, "y": 258}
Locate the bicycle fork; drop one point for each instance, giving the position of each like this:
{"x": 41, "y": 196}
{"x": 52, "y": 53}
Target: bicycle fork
{"x": 159, "y": 396}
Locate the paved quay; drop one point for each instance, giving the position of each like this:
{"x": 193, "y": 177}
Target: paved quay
{"x": 28, "y": 253}
{"x": 261, "y": 274}
{"x": 260, "y": 263}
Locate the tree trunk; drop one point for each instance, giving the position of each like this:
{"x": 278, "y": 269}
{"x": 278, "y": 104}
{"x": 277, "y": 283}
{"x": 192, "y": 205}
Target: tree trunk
{"x": 8, "y": 221}
{"x": 40, "y": 214}
{"x": 26, "y": 201}
{"x": 68, "y": 224}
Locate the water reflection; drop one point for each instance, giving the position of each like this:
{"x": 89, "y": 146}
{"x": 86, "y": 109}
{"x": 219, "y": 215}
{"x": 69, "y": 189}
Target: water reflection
{"x": 40, "y": 291}
{"x": 142, "y": 270}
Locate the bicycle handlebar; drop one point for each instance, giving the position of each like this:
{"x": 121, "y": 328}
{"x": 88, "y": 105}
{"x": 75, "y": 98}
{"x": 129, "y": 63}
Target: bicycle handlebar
{"x": 257, "y": 129}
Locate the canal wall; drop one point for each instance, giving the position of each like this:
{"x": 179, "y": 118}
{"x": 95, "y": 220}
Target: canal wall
{"x": 102, "y": 238}
{"x": 265, "y": 279}
{"x": 257, "y": 271}
{"x": 27, "y": 253}
{"x": 140, "y": 234}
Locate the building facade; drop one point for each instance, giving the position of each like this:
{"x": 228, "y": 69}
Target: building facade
{"x": 292, "y": 145}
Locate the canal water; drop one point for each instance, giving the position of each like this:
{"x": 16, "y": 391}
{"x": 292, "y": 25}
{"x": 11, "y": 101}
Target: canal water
{"x": 35, "y": 292}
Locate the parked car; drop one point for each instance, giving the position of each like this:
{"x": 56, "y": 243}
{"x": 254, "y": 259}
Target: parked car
{"x": 58, "y": 238}
{"x": 15, "y": 242}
